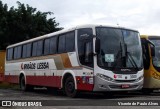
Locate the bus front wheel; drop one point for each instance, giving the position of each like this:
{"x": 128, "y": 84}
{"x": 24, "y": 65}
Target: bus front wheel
{"x": 147, "y": 91}
{"x": 69, "y": 87}
{"x": 23, "y": 85}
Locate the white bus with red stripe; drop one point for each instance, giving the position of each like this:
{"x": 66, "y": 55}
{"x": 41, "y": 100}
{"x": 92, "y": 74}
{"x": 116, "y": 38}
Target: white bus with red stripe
{"x": 85, "y": 58}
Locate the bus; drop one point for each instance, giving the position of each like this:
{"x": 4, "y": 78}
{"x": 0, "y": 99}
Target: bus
{"x": 151, "y": 60}
{"x": 2, "y": 63}
{"x": 89, "y": 57}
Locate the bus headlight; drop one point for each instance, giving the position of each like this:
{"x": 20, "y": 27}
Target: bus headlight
{"x": 104, "y": 77}
{"x": 140, "y": 78}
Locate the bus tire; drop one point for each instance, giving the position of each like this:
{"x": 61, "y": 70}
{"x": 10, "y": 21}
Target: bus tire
{"x": 108, "y": 94}
{"x": 147, "y": 91}
{"x": 23, "y": 85}
{"x": 69, "y": 87}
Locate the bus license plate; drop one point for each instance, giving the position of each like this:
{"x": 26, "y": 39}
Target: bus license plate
{"x": 125, "y": 86}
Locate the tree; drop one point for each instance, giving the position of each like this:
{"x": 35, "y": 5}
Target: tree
{"x": 22, "y": 23}
{"x": 3, "y": 23}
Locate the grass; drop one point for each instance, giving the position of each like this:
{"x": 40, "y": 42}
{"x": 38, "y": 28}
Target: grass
{"x": 5, "y": 85}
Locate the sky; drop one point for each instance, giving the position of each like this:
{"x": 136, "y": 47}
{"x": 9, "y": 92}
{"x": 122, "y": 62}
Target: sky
{"x": 141, "y": 15}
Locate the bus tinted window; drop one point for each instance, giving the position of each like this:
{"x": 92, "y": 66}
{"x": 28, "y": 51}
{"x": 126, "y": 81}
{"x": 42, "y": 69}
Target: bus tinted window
{"x": 19, "y": 52}
{"x": 61, "y": 44}
{"x": 146, "y": 57}
{"x": 50, "y": 45}
{"x": 82, "y": 43}
{"x": 34, "y": 50}
{"x": 81, "y": 33}
{"x": 53, "y": 45}
{"x": 15, "y": 53}
{"x": 39, "y": 47}
{"x": 10, "y": 54}
{"x": 24, "y": 51}
{"x": 28, "y": 54}
{"x": 70, "y": 44}
{"x": 46, "y": 46}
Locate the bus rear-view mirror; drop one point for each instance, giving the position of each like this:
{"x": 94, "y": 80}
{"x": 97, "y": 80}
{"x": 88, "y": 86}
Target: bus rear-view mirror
{"x": 152, "y": 46}
{"x": 97, "y": 46}
{"x": 152, "y": 50}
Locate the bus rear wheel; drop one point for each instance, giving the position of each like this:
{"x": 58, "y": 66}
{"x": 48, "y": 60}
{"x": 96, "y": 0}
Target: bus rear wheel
{"x": 23, "y": 85}
{"x": 69, "y": 87}
{"x": 52, "y": 90}
{"x": 147, "y": 91}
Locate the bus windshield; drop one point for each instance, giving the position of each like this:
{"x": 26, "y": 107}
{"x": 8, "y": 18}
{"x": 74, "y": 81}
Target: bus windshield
{"x": 156, "y": 58}
{"x": 119, "y": 48}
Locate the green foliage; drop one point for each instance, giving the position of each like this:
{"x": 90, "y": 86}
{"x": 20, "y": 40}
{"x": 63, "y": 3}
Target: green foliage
{"x": 22, "y": 23}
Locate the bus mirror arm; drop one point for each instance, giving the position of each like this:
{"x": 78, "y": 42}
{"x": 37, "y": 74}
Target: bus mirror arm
{"x": 97, "y": 45}
{"x": 152, "y": 47}
{"x": 150, "y": 42}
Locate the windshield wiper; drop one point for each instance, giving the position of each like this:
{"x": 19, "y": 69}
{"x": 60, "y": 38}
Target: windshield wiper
{"x": 124, "y": 53}
{"x": 132, "y": 60}
{"x": 117, "y": 56}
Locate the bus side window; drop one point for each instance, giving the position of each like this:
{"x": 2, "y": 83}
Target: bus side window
{"x": 61, "y": 44}
{"x": 146, "y": 58}
{"x": 15, "y": 52}
{"x": 19, "y": 54}
{"x": 40, "y": 48}
{"x": 26, "y": 50}
{"x": 10, "y": 54}
{"x": 28, "y": 54}
{"x": 34, "y": 50}
{"x": 53, "y": 45}
{"x": 24, "y": 53}
{"x": 37, "y": 48}
{"x": 70, "y": 42}
{"x": 82, "y": 35}
{"x": 46, "y": 46}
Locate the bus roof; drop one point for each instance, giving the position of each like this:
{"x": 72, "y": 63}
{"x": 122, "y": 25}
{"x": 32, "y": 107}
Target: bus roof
{"x": 63, "y": 31}
{"x": 144, "y": 36}
{"x": 150, "y": 36}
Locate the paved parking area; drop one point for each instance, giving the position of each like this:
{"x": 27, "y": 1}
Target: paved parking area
{"x": 84, "y": 101}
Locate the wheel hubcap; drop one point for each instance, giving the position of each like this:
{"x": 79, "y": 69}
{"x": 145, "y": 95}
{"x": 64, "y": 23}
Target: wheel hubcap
{"x": 22, "y": 83}
{"x": 70, "y": 87}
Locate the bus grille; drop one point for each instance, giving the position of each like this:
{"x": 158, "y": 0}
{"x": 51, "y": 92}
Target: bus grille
{"x": 124, "y": 81}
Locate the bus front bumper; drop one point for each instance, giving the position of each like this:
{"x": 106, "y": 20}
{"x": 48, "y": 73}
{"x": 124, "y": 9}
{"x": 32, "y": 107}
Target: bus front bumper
{"x": 104, "y": 85}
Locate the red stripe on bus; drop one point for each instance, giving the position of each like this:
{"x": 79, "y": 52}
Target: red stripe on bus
{"x": 49, "y": 81}
{"x": 12, "y": 78}
{"x": 84, "y": 85}
{"x": 1, "y": 77}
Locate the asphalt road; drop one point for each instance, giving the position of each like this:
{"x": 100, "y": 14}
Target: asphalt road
{"x": 83, "y": 101}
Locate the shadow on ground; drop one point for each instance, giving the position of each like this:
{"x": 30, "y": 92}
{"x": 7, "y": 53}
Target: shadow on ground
{"x": 91, "y": 95}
